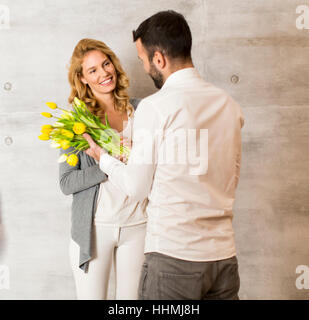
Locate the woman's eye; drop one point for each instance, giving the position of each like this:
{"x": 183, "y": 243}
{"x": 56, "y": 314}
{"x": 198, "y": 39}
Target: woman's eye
{"x": 92, "y": 71}
{"x": 106, "y": 64}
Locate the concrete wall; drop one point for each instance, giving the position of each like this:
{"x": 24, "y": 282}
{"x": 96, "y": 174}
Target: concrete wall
{"x": 255, "y": 42}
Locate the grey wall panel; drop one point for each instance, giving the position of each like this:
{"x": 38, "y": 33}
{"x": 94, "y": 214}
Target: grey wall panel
{"x": 257, "y": 41}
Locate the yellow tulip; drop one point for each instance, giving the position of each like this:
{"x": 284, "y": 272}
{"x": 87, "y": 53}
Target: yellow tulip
{"x": 51, "y": 105}
{"x": 46, "y": 114}
{"x": 72, "y": 160}
{"x": 79, "y": 128}
{"x": 65, "y": 144}
{"x": 46, "y": 128}
{"x": 67, "y": 133}
{"x": 44, "y": 136}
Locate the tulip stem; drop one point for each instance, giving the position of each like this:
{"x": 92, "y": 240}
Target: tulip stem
{"x": 63, "y": 109}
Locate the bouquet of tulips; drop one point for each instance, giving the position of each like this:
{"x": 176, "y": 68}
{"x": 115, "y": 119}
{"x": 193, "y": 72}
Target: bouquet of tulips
{"x": 68, "y": 129}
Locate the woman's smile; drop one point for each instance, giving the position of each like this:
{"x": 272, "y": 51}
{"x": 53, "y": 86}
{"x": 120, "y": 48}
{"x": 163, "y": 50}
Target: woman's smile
{"x": 107, "y": 81}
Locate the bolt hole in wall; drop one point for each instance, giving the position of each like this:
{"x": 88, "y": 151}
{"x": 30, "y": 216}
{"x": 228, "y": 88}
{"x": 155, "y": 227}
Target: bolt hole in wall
{"x": 243, "y": 56}
{"x": 7, "y": 86}
{"x": 234, "y": 79}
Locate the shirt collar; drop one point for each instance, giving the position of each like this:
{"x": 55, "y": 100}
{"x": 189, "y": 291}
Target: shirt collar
{"x": 181, "y": 76}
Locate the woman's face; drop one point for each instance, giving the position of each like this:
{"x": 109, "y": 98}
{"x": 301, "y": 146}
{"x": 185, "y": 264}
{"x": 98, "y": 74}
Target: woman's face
{"x": 98, "y": 72}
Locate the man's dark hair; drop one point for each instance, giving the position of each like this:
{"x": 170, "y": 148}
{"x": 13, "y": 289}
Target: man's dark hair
{"x": 168, "y": 32}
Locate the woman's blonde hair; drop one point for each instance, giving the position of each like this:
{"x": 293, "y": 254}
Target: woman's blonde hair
{"x": 83, "y": 91}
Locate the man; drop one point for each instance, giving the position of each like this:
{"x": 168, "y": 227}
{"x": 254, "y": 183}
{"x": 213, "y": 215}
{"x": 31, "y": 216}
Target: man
{"x": 189, "y": 246}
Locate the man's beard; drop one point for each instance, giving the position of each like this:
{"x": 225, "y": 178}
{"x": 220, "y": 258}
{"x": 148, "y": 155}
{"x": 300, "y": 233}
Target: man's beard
{"x": 156, "y": 76}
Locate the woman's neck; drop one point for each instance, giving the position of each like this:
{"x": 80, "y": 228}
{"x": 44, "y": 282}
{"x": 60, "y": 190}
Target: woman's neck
{"x": 106, "y": 102}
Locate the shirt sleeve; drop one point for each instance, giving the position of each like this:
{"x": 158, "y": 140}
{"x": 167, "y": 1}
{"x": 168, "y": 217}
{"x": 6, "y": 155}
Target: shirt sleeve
{"x": 135, "y": 178}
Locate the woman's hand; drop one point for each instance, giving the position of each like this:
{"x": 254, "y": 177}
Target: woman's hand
{"x": 94, "y": 150}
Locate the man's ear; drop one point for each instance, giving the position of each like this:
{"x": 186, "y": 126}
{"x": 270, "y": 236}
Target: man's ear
{"x": 159, "y": 60}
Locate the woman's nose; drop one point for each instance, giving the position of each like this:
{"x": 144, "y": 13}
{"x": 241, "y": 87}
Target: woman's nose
{"x": 103, "y": 72}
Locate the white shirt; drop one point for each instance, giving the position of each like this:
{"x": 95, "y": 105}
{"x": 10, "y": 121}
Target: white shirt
{"x": 114, "y": 207}
{"x": 190, "y": 203}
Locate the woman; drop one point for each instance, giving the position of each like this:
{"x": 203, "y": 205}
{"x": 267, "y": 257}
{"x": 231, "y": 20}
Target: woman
{"x": 107, "y": 226}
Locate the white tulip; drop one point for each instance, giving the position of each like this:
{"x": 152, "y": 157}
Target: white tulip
{"x": 63, "y": 158}
{"x": 54, "y": 144}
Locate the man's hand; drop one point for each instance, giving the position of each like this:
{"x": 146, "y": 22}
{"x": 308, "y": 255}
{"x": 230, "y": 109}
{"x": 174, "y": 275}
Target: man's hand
{"x": 126, "y": 143}
{"x": 94, "y": 151}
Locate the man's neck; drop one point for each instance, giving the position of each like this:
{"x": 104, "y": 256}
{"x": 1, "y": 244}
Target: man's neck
{"x": 176, "y": 67}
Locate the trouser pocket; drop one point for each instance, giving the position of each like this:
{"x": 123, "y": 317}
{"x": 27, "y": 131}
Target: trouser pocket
{"x": 142, "y": 282}
{"x": 180, "y": 286}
